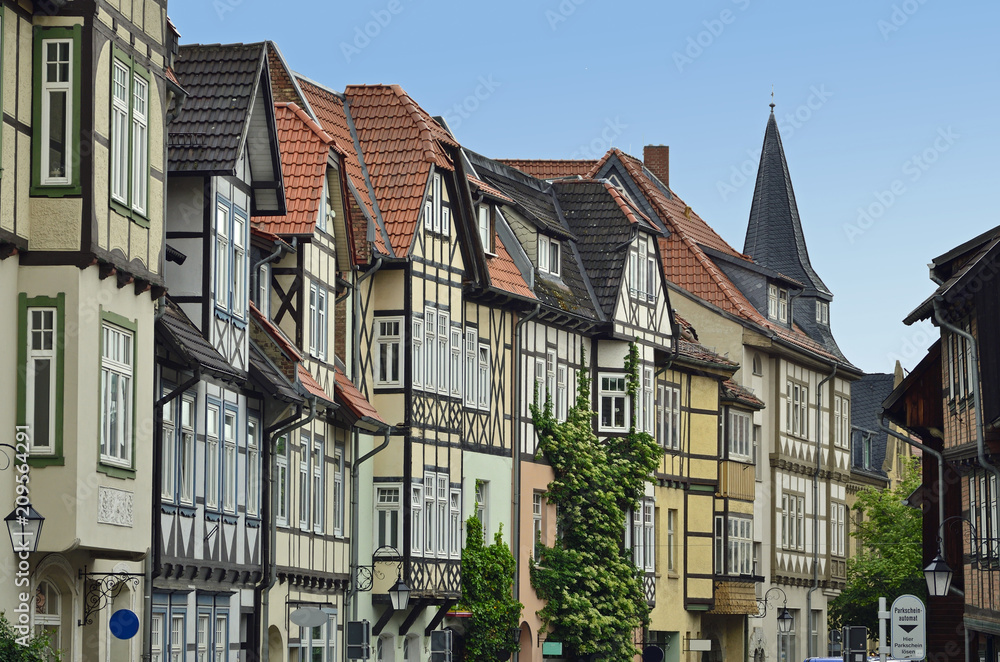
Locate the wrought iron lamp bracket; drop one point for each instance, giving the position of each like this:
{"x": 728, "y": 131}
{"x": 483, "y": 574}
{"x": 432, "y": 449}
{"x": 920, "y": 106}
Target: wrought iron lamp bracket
{"x": 762, "y": 602}
{"x": 103, "y": 588}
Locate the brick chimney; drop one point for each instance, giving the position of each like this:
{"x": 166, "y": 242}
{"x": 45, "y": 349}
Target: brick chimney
{"x": 657, "y": 159}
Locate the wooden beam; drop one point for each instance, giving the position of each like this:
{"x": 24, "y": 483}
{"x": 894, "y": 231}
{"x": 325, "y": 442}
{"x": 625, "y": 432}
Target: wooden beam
{"x": 439, "y": 616}
{"x": 383, "y": 620}
{"x": 412, "y": 616}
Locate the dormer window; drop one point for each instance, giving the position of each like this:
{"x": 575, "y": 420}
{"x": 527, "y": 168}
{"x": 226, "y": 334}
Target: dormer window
{"x": 548, "y": 255}
{"x": 777, "y": 303}
{"x": 823, "y": 312}
{"x": 642, "y": 271}
{"x": 437, "y": 215}
{"x": 325, "y": 208}
{"x": 487, "y": 220}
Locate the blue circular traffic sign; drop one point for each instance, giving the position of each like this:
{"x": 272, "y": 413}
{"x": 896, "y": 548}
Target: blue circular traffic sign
{"x": 124, "y": 624}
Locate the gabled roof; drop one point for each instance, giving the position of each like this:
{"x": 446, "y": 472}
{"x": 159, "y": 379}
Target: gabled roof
{"x": 227, "y": 111}
{"x": 774, "y": 235}
{"x": 329, "y": 109}
{"x": 551, "y": 168}
{"x": 305, "y": 150}
{"x": 867, "y": 396}
{"x": 183, "y": 337}
{"x": 604, "y": 235}
{"x": 356, "y": 402}
{"x": 400, "y": 143}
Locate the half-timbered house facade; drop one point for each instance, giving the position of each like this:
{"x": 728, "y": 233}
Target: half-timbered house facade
{"x": 83, "y": 96}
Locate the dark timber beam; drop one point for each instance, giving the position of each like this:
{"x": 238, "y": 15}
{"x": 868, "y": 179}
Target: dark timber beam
{"x": 438, "y": 617}
{"x": 383, "y": 620}
{"x": 412, "y": 616}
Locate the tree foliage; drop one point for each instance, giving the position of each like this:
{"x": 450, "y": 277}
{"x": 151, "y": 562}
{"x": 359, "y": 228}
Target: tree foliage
{"x": 888, "y": 562}
{"x": 593, "y": 591}
{"x": 487, "y": 592}
{"x": 14, "y": 647}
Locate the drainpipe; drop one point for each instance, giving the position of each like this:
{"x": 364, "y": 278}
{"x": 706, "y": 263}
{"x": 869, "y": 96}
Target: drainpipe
{"x": 973, "y": 383}
{"x": 819, "y": 460}
{"x": 515, "y": 536}
{"x": 271, "y": 566}
{"x": 153, "y": 563}
{"x": 940, "y": 460}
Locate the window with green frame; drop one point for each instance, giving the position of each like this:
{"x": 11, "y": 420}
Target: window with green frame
{"x": 116, "y": 427}
{"x": 130, "y": 116}
{"x": 40, "y": 357}
{"x": 55, "y": 112}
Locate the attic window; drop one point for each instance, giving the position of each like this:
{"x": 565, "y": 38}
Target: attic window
{"x": 758, "y": 365}
{"x": 487, "y": 220}
{"x": 823, "y": 312}
{"x": 548, "y": 255}
{"x": 618, "y": 185}
{"x": 326, "y": 212}
{"x": 777, "y": 303}
{"x": 437, "y": 214}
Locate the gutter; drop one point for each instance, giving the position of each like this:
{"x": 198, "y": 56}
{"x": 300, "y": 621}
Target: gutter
{"x": 973, "y": 382}
{"x": 274, "y": 433}
{"x": 819, "y": 459}
{"x": 350, "y": 603}
{"x": 515, "y": 537}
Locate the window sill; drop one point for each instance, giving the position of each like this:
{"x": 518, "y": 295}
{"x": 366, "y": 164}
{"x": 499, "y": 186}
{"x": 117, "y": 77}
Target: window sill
{"x": 212, "y": 516}
{"x": 46, "y": 461}
{"x": 116, "y": 471}
{"x": 55, "y": 190}
{"x": 136, "y": 217}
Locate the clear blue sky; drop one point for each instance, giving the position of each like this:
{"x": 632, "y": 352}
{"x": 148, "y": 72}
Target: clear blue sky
{"x": 861, "y": 86}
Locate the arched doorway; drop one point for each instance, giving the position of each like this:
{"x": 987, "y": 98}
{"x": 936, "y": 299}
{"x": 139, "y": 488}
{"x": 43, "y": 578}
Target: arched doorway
{"x": 275, "y": 649}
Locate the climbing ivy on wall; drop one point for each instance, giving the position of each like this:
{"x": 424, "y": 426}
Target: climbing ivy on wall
{"x": 593, "y": 591}
{"x": 487, "y": 592}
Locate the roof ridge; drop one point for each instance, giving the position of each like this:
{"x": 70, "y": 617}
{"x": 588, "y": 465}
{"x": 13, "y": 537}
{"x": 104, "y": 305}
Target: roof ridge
{"x": 426, "y": 133}
{"x": 310, "y": 122}
{"x": 623, "y": 203}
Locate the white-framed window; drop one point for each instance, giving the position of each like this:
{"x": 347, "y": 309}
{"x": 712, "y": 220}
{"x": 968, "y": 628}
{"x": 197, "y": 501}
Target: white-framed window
{"x": 57, "y": 111}
{"x": 614, "y": 402}
{"x": 785, "y": 521}
{"x": 430, "y": 350}
{"x": 156, "y": 637}
{"x": 483, "y": 387}
{"x": 642, "y": 270}
{"x": 253, "y": 466}
{"x": 212, "y": 456}
{"x": 669, "y": 418}
{"x": 318, "y": 331}
{"x": 797, "y": 409}
{"x": 169, "y": 449}
{"x": 758, "y": 455}
{"x": 387, "y": 519}
{"x": 841, "y": 422}
{"x": 319, "y": 644}
{"x": 229, "y": 460}
{"x": 187, "y": 449}
{"x": 203, "y": 640}
{"x": 483, "y": 505}
{"x": 536, "y": 526}
{"x": 176, "y": 646}
{"x": 647, "y": 411}
{"x": 221, "y": 643}
{"x": 867, "y": 460}
{"x": 319, "y": 484}
{"x": 822, "y": 312}
{"x": 442, "y": 515}
{"x": 550, "y": 376}
{"x": 47, "y": 614}
{"x": 672, "y": 538}
{"x": 324, "y": 206}
{"x": 539, "y": 393}
{"x": 562, "y": 375}
{"x": 456, "y": 362}
{"x": 338, "y": 492}
{"x": 738, "y": 435}
{"x": 417, "y": 524}
{"x": 486, "y": 214}
{"x": 119, "y": 131}
{"x": 129, "y": 151}
{"x": 437, "y": 216}
{"x": 281, "y": 480}
{"x": 417, "y": 349}
{"x": 41, "y": 378}
{"x": 739, "y": 545}
{"x": 388, "y": 351}
{"x": 430, "y": 514}
{"x": 116, "y": 395}
{"x": 959, "y": 363}
{"x": 240, "y": 265}
{"x": 264, "y": 290}
{"x": 549, "y": 255}
{"x": 471, "y": 363}
{"x": 305, "y": 480}
{"x": 443, "y": 353}
{"x": 222, "y": 281}
{"x": 777, "y": 303}
{"x": 838, "y": 529}
{"x": 455, "y": 525}
{"x": 793, "y": 522}
{"x": 641, "y": 537}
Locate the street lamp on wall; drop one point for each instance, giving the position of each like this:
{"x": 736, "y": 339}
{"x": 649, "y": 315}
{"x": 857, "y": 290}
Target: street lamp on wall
{"x": 938, "y": 574}
{"x": 24, "y": 525}
{"x": 785, "y": 618}
{"x": 399, "y": 593}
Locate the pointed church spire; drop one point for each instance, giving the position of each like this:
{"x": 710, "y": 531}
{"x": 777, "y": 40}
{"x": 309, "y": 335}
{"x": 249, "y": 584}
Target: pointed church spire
{"x": 774, "y": 236}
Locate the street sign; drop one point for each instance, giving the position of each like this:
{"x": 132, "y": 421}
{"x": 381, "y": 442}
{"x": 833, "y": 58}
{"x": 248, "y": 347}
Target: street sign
{"x": 909, "y": 628}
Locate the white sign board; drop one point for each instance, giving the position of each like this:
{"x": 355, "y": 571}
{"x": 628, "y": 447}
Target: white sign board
{"x": 909, "y": 628}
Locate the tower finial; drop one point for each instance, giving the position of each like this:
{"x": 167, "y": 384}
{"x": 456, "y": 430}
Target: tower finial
{"x": 772, "y": 99}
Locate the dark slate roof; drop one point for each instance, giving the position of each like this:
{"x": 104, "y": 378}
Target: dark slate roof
{"x": 267, "y": 376}
{"x": 221, "y": 81}
{"x": 604, "y": 231}
{"x": 176, "y": 330}
{"x": 569, "y": 292}
{"x": 867, "y": 396}
{"x": 774, "y": 235}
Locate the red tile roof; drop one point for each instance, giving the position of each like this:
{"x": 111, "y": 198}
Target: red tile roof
{"x": 399, "y": 142}
{"x": 311, "y": 385}
{"x": 504, "y": 274}
{"x": 551, "y": 168}
{"x": 735, "y": 391}
{"x": 353, "y": 398}
{"x": 305, "y": 150}
{"x": 329, "y": 109}
{"x": 286, "y": 345}
{"x": 632, "y": 213}
{"x": 489, "y": 190}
